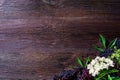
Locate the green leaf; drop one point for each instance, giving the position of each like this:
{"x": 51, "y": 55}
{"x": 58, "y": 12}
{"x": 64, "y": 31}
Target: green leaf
{"x": 101, "y": 76}
{"x": 99, "y": 48}
{"x": 118, "y": 62}
{"x": 116, "y": 78}
{"x": 109, "y": 77}
{"x": 112, "y": 43}
{"x": 105, "y": 72}
{"x": 87, "y": 60}
{"x": 103, "y": 40}
{"x": 112, "y": 71}
{"x": 80, "y": 62}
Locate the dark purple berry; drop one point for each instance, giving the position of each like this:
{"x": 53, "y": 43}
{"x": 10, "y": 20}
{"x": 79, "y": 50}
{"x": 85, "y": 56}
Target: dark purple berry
{"x": 76, "y": 74}
{"x": 65, "y": 75}
{"x": 118, "y": 43}
{"x": 106, "y": 53}
{"x": 85, "y": 75}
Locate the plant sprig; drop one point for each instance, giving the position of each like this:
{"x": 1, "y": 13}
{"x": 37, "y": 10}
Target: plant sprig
{"x": 84, "y": 63}
{"x": 104, "y": 41}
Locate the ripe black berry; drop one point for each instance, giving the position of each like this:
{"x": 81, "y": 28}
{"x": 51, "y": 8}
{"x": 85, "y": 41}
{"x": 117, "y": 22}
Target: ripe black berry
{"x": 76, "y": 74}
{"x": 65, "y": 75}
{"x": 118, "y": 43}
{"x": 106, "y": 52}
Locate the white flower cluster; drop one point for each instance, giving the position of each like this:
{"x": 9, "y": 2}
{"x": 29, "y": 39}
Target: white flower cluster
{"x": 98, "y": 64}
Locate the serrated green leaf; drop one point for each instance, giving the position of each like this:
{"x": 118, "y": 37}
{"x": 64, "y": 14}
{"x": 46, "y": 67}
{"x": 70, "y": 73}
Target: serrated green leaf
{"x": 112, "y": 43}
{"x": 99, "y": 48}
{"x": 103, "y": 40}
{"x": 80, "y": 62}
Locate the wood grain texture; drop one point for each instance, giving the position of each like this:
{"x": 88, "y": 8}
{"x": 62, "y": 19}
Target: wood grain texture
{"x": 39, "y": 38}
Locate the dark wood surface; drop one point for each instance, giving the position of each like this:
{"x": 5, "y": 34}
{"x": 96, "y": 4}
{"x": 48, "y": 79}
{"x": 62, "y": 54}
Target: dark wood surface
{"x": 39, "y": 38}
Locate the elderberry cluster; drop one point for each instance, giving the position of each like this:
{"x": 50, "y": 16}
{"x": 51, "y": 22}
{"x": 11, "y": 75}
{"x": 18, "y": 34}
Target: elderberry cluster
{"x": 75, "y": 74}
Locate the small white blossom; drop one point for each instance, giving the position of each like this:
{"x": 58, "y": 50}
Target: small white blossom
{"x": 98, "y": 64}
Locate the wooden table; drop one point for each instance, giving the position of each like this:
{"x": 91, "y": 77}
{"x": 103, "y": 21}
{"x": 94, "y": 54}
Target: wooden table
{"x": 39, "y": 38}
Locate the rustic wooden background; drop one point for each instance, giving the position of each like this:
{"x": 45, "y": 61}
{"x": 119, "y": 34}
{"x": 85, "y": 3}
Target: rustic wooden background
{"x": 40, "y": 38}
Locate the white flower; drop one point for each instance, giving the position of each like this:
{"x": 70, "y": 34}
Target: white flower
{"x": 98, "y": 64}
{"x": 91, "y": 71}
